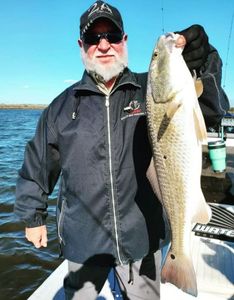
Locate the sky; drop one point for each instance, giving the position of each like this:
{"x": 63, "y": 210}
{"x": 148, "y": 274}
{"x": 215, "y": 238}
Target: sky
{"x": 39, "y": 55}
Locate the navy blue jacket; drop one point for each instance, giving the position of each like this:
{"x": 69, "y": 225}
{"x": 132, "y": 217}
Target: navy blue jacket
{"x": 99, "y": 147}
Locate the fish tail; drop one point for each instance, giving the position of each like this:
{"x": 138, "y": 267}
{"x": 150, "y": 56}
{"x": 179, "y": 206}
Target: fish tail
{"x": 179, "y": 271}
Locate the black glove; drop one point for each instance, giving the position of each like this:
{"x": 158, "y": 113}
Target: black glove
{"x": 197, "y": 47}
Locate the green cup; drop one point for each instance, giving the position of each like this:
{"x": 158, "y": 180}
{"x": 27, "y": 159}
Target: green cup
{"x": 217, "y": 154}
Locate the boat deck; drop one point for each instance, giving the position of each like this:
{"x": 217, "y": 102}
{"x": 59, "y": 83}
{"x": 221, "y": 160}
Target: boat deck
{"x": 213, "y": 262}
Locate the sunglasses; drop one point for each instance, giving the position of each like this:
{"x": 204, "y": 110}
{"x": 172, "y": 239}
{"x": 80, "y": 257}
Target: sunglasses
{"x": 94, "y": 38}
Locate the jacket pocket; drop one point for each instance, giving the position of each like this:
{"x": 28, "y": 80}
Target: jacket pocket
{"x": 61, "y": 221}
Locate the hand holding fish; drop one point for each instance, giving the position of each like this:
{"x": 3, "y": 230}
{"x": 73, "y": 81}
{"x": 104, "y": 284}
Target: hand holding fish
{"x": 197, "y": 47}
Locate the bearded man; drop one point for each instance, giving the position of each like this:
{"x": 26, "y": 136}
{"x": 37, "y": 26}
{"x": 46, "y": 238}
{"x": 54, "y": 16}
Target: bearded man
{"x": 94, "y": 137}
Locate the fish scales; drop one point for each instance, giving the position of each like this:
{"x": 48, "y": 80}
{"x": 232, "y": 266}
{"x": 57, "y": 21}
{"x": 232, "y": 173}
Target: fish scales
{"x": 170, "y": 178}
{"x": 176, "y": 130}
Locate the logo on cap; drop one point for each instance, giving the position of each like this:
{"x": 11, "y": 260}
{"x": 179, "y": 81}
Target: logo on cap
{"x": 99, "y": 9}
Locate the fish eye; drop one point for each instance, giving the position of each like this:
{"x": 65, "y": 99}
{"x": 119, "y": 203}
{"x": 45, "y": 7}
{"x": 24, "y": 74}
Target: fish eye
{"x": 155, "y": 54}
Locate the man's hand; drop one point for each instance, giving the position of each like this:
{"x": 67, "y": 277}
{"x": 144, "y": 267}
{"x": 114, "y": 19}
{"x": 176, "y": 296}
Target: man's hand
{"x": 197, "y": 46}
{"x": 37, "y": 235}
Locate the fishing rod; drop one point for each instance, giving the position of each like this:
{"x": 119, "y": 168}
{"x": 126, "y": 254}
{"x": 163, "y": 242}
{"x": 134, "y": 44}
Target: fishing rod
{"x": 228, "y": 50}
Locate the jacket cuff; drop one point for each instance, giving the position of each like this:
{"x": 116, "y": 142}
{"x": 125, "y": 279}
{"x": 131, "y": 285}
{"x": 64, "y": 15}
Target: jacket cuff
{"x": 38, "y": 220}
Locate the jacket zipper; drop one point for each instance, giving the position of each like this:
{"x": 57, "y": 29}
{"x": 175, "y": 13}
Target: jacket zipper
{"x": 107, "y": 103}
{"x": 60, "y": 222}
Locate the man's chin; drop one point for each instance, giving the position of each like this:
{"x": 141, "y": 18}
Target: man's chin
{"x": 106, "y": 75}
{"x": 107, "y": 71}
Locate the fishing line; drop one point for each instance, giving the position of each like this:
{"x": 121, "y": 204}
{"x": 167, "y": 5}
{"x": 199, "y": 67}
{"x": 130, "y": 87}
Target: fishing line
{"x": 228, "y": 49}
{"x": 162, "y": 14}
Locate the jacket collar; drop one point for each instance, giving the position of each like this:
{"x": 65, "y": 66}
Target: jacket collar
{"x": 87, "y": 83}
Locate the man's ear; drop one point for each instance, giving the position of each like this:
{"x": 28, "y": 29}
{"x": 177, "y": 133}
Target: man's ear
{"x": 80, "y": 43}
{"x": 125, "y": 37}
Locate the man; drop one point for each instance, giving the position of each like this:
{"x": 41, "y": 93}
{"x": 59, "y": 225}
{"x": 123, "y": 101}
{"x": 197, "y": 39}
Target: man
{"x": 94, "y": 136}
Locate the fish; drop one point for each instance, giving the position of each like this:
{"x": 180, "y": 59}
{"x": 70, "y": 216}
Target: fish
{"x": 176, "y": 130}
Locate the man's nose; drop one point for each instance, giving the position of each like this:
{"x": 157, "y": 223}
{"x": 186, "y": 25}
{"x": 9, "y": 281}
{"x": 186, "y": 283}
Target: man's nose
{"x": 103, "y": 44}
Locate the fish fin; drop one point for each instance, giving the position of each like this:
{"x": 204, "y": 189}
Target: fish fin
{"x": 172, "y": 108}
{"x": 203, "y": 211}
{"x": 200, "y": 126}
{"x": 179, "y": 271}
{"x": 151, "y": 174}
{"x": 198, "y": 87}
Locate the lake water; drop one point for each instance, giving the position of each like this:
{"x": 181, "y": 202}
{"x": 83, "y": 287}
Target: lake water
{"x": 22, "y": 267}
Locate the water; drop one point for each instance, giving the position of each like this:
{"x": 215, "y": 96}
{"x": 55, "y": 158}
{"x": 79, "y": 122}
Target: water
{"x": 22, "y": 267}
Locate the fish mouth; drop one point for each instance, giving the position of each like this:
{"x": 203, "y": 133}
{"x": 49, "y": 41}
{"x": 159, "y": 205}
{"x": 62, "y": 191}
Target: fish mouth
{"x": 172, "y": 39}
{"x": 170, "y": 35}
{"x": 176, "y": 37}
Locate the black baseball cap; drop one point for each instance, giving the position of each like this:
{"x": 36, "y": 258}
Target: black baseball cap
{"x": 98, "y": 10}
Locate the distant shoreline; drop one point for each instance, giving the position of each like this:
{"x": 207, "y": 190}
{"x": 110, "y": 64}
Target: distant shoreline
{"x": 43, "y": 106}
{"x": 23, "y": 106}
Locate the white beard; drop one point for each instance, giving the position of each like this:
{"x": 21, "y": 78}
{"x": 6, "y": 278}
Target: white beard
{"x": 106, "y": 72}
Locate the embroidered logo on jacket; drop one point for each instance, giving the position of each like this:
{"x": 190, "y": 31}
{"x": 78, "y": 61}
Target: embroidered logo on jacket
{"x": 133, "y": 109}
